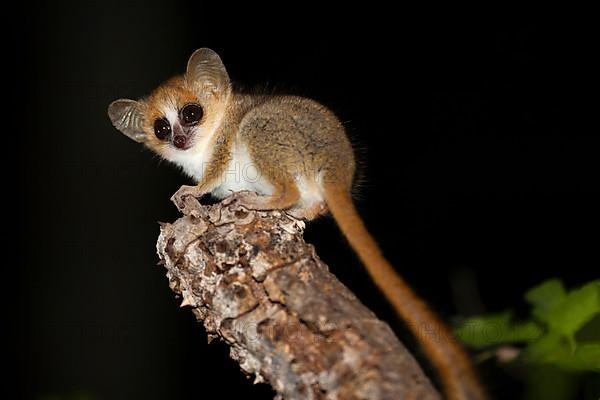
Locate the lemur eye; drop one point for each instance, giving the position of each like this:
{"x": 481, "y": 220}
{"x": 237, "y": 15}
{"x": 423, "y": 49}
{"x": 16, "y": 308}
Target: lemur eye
{"x": 191, "y": 114}
{"x": 162, "y": 128}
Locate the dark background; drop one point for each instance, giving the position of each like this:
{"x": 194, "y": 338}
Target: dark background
{"x": 480, "y": 177}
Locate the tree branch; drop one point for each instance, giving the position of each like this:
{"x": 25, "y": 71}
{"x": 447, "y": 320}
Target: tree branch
{"x": 254, "y": 283}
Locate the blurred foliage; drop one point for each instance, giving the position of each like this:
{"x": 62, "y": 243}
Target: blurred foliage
{"x": 556, "y": 350}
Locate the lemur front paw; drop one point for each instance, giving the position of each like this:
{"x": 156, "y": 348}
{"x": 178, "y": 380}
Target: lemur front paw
{"x": 186, "y": 199}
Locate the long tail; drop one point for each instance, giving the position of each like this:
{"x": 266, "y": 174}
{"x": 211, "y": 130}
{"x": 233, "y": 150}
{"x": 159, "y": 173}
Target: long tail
{"x": 457, "y": 376}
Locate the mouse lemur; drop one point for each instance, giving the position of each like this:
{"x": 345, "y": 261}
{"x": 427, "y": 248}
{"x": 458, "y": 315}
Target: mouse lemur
{"x": 304, "y": 165}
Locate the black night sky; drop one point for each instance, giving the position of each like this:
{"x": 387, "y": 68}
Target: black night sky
{"x": 479, "y": 175}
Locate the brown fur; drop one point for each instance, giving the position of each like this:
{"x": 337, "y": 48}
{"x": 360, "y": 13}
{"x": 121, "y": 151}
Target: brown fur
{"x": 302, "y": 150}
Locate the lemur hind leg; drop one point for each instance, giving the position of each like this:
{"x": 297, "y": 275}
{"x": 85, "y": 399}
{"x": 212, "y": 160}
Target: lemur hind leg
{"x": 309, "y": 213}
{"x": 285, "y": 196}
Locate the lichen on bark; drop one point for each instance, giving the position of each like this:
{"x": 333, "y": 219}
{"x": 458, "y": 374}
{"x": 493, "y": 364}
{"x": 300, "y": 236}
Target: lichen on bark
{"x": 253, "y": 282}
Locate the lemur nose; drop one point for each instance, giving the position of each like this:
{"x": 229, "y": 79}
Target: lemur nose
{"x": 179, "y": 141}
{"x": 178, "y": 129}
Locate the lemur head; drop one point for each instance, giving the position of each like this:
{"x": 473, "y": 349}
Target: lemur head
{"x": 179, "y": 112}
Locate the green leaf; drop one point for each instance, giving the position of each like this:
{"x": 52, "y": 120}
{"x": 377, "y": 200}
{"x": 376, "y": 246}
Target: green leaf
{"x": 546, "y": 295}
{"x": 549, "y": 349}
{"x": 587, "y": 357}
{"x": 555, "y": 349}
{"x": 564, "y": 313}
{"x": 495, "y": 329}
{"x": 565, "y": 335}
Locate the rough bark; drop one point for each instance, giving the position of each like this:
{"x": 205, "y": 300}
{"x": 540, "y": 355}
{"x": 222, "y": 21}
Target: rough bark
{"x": 254, "y": 283}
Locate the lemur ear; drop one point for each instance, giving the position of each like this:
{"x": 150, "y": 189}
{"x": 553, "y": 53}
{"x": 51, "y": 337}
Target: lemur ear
{"x": 127, "y": 116}
{"x": 205, "y": 68}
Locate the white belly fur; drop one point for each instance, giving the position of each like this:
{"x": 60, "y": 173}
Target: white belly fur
{"x": 242, "y": 174}
{"x": 311, "y": 192}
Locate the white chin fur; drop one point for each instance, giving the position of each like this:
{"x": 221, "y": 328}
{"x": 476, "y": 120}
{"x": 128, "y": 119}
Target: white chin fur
{"x": 193, "y": 161}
